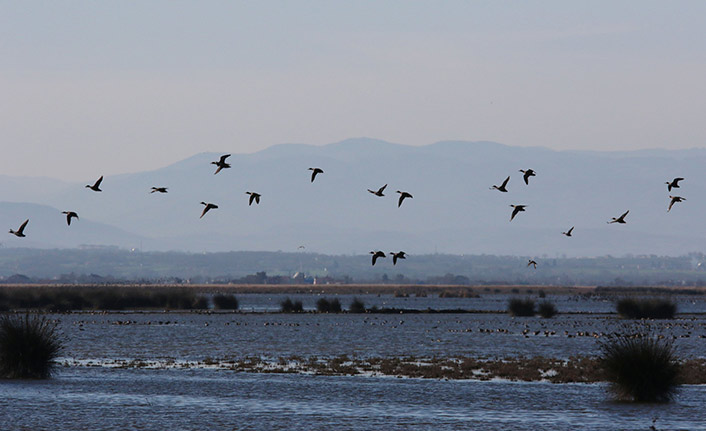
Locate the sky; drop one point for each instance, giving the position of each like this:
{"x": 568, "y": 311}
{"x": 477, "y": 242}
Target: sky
{"x": 90, "y": 88}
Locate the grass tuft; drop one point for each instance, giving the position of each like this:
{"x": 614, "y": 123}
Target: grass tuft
{"x": 28, "y": 347}
{"x": 324, "y": 305}
{"x": 289, "y": 306}
{"x": 225, "y": 302}
{"x": 634, "y": 308}
{"x": 521, "y": 307}
{"x": 357, "y": 306}
{"x": 547, "y": 309}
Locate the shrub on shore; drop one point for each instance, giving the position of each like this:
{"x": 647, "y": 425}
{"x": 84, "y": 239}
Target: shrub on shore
{"x": 641, "y": 369}
{"x": 28, "y": 347}
{"x": 357, "y": 306}
{"x": 324, "y": 305}
{"x": 225, "y": 302}
{"x": 521, "y": 307}
{"x": 635, "y": 308}
{"x": 546, "y": 309}
{"x": 289, "y": 306}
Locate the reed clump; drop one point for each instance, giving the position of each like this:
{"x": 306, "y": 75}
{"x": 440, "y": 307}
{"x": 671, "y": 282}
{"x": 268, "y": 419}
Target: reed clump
{"x": 547, "y": 309}
{"x": 225, "y": 302}
{"x": 324, "y": 305}
{"x": 29, "y": 345}
{"x": 289, "y": 306}
{"x": 521, "y": 307}
{"x": 357, "y": 306}
{"x": 635, "y": 308}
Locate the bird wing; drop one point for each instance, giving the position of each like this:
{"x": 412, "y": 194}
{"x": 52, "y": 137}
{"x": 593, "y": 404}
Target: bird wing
{"x": 382, "y": 188}
{"x": 257, "y": 198}
{"x": 526, "y": 177}
{"x": 223, "y": 159}
{"x": 514, "y": 212}
{"x": 205, "y": 210}
{"x": 218, "y": 169}
{"x": 570, "y": 230}
{"x": 399, "y": 202}
{"x": 502, "y": 186}
{"x": 98, "y": 182}
{"x": 375, "y": 258}
{"x": 624, "y": 214}
{"x": 22, "y": 226}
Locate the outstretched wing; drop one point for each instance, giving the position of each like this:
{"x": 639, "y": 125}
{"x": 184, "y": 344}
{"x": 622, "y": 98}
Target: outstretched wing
{"x": 502, "y": 186}
{"x": 98, "y": 183}
{"x": 22, "y": 226}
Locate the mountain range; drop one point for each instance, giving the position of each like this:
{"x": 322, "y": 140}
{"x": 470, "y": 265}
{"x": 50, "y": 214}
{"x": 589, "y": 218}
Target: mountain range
{"x": 453, "y": 209}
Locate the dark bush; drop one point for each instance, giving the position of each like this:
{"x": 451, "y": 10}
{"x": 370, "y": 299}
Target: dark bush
{"x": 323, "y": 305}
{"x": 634, "y": 308}
{"x": 357, "y": 306}
{"x": 546, "y": 309}
{"x": 288, "y": 306}
{"x": 541, "y": 293}
{"x": 28, "y": 347}
{"x": 640, "y": 368}
{"x": 521, "y": 307}
{"x": 225, "y": 302}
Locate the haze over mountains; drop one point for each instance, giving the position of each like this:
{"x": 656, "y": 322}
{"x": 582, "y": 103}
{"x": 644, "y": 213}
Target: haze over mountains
{"x": 453, "y": 209}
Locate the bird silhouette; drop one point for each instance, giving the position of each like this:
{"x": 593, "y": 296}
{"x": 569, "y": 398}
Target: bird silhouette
{"x": 209, "y": 206}
{"x": 159, "y": 189}
{"x": 253, "y": 197}
{"x": 620, "y": 219}
{"x": 403, "y": 195}
{"x": 69, "y": 215}
{"x": 314, "y": 172}
{"x": 502, "y": 187}
{"x": 96, "y": 186}
{"x": 21, "y": 231}
{"x": 377, "y": 254}
{"x": 221, "y": 163}
{"x": 379, "y": 192}
{"x": 517, "y": 209}
{"x": 532, "y": 262}
{"x": 399, "y": 255}
{"x": 674, "y": 184}
{"x": 568, "y": 232}
{"x": 527, "y": 174}
{"x": 675, "y": 199}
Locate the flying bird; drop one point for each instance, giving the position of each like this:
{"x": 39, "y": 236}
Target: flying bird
{"x": 399, "y": 255}
{"x": 209, "y": 206}
{"x": 532, "y": 262}
{"x": 159, "y": 189}
{"x": 527, "y": 174}
{"x": 96, "y": 186}
{"x": 403, "y": 195}
{"x": 675, "y": 199}
{"x": 221, "y": 163}
{"x": 674, "y": 184}
{"x": 253, "y": 197}
{"x": 377, "y": 254}
{"x": 502, "y": 187}
{"x": 620, "y": 219}
{"x": 379, "y": 192}
{"x": 568, "y": 232}
{"x": 69, "y": 215}
{"x": 517, "y": 209}
{"x": 314, "y": 172}
{"x": 21, "y": 231}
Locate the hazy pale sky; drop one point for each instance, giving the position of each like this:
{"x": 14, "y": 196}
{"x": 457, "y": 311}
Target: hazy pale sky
{"x": 90, "y": 88}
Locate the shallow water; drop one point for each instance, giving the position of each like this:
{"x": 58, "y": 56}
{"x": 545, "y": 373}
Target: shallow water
{"x": 119, "y": 399}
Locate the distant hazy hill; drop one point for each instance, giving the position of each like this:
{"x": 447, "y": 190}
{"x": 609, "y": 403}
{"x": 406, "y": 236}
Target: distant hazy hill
{"x": 453, "y": 210}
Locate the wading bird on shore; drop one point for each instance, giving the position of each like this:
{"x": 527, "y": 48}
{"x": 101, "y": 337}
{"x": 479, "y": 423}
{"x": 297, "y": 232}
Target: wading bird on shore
{"x": 379, "y": 192}
{"x": 527, "y": 174}
{"x": 502, "y": 187}
{"x": 403, "y": 196}
{"x": 675, "y": 199}
{"x": 314, "y": 172}
{"x": 377, "y": 254}
{"x": 399, "y": 255}
{"x": 69, "y": 215}
{"x": 96, "y": 186}
{"x": 532, "y": 262}
{"x": 159, "y": 190}
{"x": 253, "y": 197}
{"x": 21, "y": 231}
{"x": 568, "y": 232}
{"x": 620, "y": 219}
{"x": 517, "y": 209}
{"x": 221, "y": 163}
{"x": 674, "y": 184}
{"x": 209, "y": 206}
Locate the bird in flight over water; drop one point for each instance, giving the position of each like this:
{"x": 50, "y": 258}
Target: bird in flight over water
{"x": 253, "y": 197}
{"x": 502, "y": 187}
{"x": 620, "y": 219}
{"x": 379, "y": 192}
{"x": 675, "y": 199}
{"x": 674, "y": 184}
{"x": 532, "y": 262}
{"x": 69, "y": 215}
{"x": 377, "y": 254}
{"x": 96, "y": 186}
{"x": 159, "y": 189}
{"x": 21, "y": 231}
{"x": 568, "y": 232}
{"x": 221, "y": 163}
{"x": 209, "y": 206}
{"x": 527, "y": 174}
{"x": 314, "y": 172}
{"x": 517, "y": 209}
{"x": 403, "y": 196}
{"x": 399, "y": 255}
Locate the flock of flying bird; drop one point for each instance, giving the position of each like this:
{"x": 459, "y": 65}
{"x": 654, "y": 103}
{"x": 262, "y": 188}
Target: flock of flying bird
{"x": 376, "y": 254}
